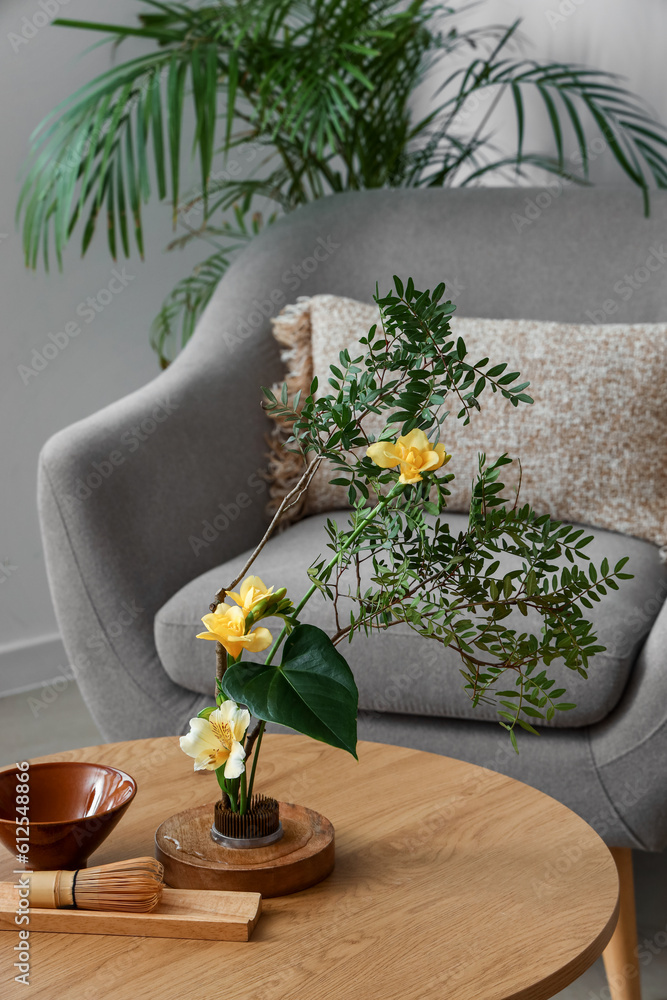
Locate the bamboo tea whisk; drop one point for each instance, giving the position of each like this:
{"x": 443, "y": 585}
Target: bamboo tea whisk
{"x": 132, "y": 886}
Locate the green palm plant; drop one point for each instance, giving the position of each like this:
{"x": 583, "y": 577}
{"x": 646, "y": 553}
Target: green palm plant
{"x": 323, "y": 92}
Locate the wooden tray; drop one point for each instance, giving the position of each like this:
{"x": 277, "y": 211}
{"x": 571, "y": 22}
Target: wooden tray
{"x": 181, "y": 913}
{"x": 192, "y": 860}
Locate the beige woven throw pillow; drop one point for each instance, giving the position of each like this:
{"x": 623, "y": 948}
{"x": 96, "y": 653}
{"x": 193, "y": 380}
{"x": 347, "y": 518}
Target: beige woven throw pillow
{"x": 593, "y": 446}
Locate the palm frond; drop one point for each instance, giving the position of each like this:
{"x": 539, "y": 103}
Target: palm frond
{"x": 324, "y": 89}
{"x": 103, "y": 131}
{"x": 186, "y": 302}
{"x": 174, "y": 324}
{"x": 567, "y": 93}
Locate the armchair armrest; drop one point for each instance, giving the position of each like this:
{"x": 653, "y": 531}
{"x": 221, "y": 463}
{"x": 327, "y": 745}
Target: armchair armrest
{"x": 630, "y": 746}
{"x": 153, "y": 490}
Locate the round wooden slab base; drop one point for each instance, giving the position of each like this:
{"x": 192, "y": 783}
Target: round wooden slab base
{"x": 192, "y": 859}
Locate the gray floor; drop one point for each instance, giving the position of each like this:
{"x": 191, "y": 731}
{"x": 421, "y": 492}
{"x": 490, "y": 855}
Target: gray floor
{"x": 45, "y": 720}
{"x": 48, "y": 720}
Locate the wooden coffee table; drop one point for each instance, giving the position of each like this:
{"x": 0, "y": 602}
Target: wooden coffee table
{"x": 451, "y": 881}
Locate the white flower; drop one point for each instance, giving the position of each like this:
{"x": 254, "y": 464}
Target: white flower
{"x": 217, "y": 740}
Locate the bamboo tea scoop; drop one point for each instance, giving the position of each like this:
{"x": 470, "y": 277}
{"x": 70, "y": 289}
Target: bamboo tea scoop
{"x": 132, "y": 886}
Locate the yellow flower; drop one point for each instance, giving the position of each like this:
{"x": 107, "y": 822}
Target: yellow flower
{"x": 414, "y": 453}
{"x": 252, "y": 592}
{"x": 217, "y": 740}
{"x": 227, "y": 625}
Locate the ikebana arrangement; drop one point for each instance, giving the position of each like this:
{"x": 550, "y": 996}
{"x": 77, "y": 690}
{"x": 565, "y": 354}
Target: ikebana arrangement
{"x": 445, "y": 587}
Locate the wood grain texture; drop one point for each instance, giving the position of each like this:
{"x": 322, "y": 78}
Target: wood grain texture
{"x": 181, "y": 913}
{"x": 620, "y": 956}
{"x": 451, "y": 882}
{"x": 192, "y": 860}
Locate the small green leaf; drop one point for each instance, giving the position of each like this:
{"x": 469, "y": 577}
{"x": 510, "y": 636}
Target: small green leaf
{"x": 533, "y": 712}
{"x": 527, "y": 726}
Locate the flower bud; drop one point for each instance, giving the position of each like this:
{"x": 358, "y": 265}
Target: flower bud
{"x": 258, "y": 609}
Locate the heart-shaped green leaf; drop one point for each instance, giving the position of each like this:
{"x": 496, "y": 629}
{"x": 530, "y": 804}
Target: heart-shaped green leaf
{"x": 312, "y": 690}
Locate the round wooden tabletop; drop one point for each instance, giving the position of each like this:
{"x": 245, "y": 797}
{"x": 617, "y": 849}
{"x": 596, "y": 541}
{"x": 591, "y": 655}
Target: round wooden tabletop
{"x": 451, "y": 881}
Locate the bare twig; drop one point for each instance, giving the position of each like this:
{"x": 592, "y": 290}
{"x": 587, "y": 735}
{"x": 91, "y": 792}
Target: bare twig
{"x": 292, "y": 496}
{"x": 250, "y": 741}
{"x": 220, "y": 661}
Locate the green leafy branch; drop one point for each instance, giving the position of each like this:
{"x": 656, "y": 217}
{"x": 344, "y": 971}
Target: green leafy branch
{"x": 449, "y": 589}
{"x": 397, "y": 562}
{"x": 413, "y": 367}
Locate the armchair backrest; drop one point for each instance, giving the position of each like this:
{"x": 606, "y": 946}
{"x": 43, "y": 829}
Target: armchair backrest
{"x": 575, "y": 255}
{"x": 192, "y": 496}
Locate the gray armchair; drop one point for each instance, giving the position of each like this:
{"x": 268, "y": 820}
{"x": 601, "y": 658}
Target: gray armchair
{"x": 143, "y": 503}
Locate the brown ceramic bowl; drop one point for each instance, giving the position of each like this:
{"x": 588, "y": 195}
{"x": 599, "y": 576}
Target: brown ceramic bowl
{"x": 73, "y": 807}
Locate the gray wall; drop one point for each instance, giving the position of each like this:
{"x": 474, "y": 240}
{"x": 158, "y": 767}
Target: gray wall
{"x": 111, "y": 355}
{"x": 109, "y": 358}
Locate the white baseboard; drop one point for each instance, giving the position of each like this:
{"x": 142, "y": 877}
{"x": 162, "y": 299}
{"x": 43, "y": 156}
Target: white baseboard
{"x": 28, "y": 665}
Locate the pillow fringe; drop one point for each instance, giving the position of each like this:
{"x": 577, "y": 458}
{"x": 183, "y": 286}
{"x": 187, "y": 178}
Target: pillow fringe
{"x": 292, "y": 330}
